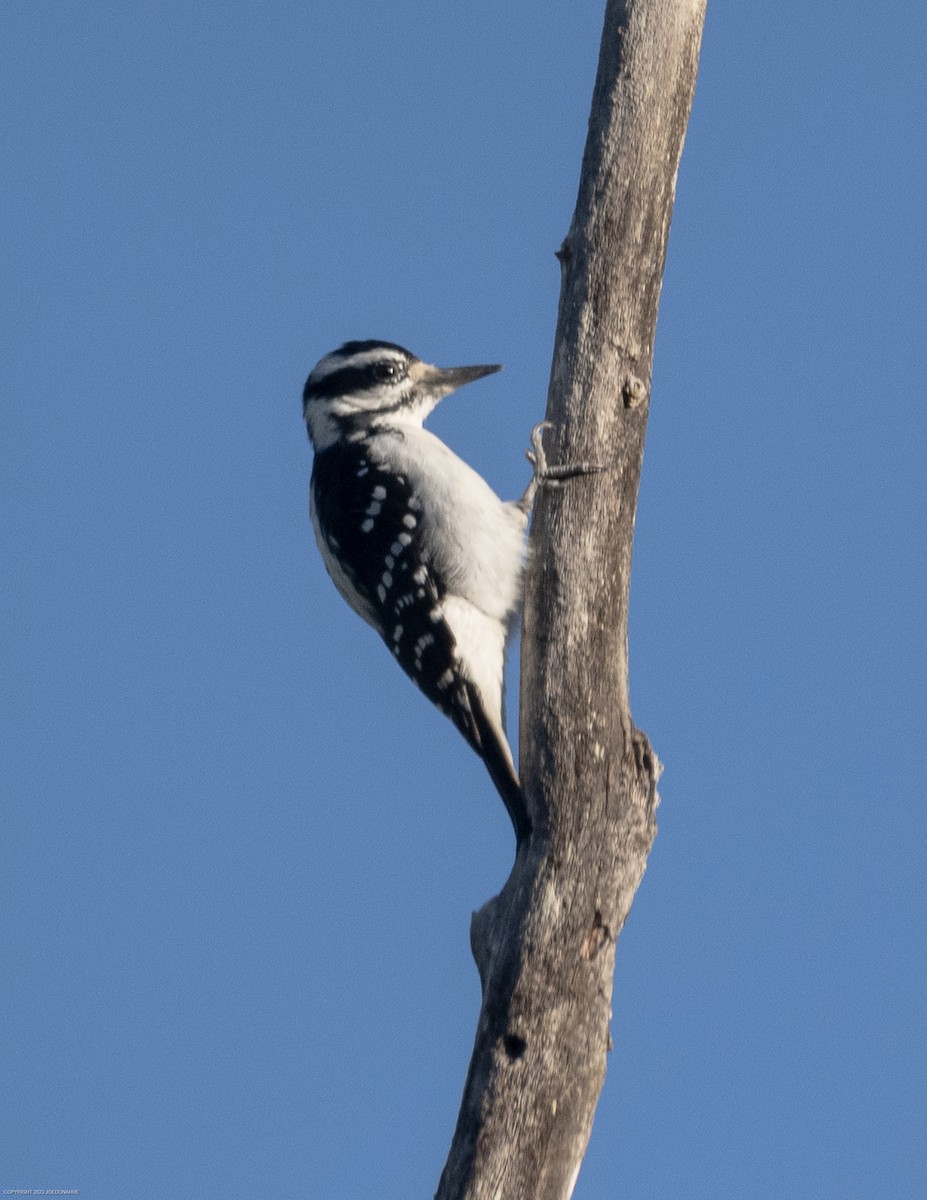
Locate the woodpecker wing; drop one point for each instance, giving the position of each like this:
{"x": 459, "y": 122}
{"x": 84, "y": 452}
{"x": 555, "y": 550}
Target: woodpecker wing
{"x": 368, "y": 522}
{"x": 368, "y": 527}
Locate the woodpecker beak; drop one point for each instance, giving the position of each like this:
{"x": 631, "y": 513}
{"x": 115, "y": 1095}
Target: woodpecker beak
{"x": 441, "y": 381}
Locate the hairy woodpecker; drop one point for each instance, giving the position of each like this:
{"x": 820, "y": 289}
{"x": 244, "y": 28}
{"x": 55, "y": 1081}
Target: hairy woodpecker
{"x": 416, "y": 541}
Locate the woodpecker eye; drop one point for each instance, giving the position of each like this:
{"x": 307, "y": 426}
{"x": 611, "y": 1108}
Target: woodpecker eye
{"x": 383, "y": 371}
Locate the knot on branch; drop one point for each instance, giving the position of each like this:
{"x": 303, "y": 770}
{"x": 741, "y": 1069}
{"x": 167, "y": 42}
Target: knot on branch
{"x": 598, "y": 936}
{"x": 645, "y": 760}
{"x": 634, "y": 392}
{"x": 565, "y": 253}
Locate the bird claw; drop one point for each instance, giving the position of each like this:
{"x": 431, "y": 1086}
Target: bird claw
{"x": 554, "y": 476}
{"x": 536, "y": 455}
{"x": 545, "y": 475}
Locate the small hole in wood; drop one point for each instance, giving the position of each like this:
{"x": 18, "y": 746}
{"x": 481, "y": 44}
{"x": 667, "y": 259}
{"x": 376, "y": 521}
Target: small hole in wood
{"x": 515, "y": 1046}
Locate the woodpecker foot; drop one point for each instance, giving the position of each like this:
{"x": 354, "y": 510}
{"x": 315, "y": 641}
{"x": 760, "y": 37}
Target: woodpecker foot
{"x": 546, "y": 475}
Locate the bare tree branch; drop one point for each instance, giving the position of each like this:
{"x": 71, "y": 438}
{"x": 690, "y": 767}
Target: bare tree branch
{"x": 545, "y": 947}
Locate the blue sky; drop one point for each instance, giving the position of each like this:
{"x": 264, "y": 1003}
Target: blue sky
{"x": 240, "y": 851}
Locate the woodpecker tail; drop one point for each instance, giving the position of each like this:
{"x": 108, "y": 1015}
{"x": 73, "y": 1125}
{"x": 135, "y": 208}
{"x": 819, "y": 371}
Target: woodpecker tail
{"x": 491, "y": 745}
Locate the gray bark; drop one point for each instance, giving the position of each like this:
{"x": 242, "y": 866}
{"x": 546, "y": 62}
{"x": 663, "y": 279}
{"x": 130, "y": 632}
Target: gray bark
{"x": 545, "y": 947}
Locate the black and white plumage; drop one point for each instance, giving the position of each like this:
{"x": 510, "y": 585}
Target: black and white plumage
{"x": 415, "y": 540}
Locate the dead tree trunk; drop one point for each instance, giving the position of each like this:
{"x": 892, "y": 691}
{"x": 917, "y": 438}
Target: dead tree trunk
{"x": 545, "y": 947}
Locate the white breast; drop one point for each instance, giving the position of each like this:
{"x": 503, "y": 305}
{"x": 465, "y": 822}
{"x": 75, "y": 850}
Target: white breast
{"x": 476, "y": 540}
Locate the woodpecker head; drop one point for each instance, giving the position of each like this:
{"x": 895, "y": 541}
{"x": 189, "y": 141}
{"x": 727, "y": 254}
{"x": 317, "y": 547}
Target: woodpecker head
{"x": 365, "y": 384}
